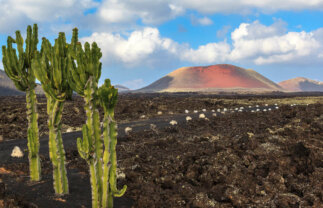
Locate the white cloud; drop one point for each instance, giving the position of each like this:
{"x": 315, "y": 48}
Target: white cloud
{"x": 18, "y": 13}
{"x": 150, "y": 12}
{"x": 247, "y": 6}
{"x": 201, "y": 21}
{"x": 140, "y": 47}
{"x": 251, "y": 43}
{"x": 207, "y": 54}
{"x": 267, "y": 44}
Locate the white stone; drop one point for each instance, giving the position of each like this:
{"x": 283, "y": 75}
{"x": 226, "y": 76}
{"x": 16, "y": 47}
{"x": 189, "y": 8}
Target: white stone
{"x": 195, "y": 111}
{"x": 265, "y": 110}
{"x": 269, "y": 109}
{"x": 236, "y": 109}
{"x": 187, "y": 111}
{"x": 249, "y": 106}
{"x": 219, "y": 110}
{"x": 266, "y": 104}
{"x": 127, "y": 130}
{"x": 276, "y": 104}
{"x": 202, "y": 115}
{"x": 204, "y": 110}
{"x": 159, "y": 113}
{"x": 224, "y": 109}
{"x": 241, "y": 107}
{"x": 188, "y": 118}
{"x": 212, "y": 111}
{"x": 143, "y": 116}
{"x": 277, "y": 107}
{"x": 258, "y": 109}
{"x": 16, "y": 152}
{"x": 173, "y": 122}
{"x": 252, "y": 111}
{"x": 257, "y": 106}
{"x": 70, "y": 129}
{"x": 214, "y": 114}
{"x": 120, "y": 174}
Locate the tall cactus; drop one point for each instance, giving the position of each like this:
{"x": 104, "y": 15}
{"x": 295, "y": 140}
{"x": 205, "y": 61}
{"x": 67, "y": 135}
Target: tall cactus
{"x": 20, "y": 71}
{"x": 51, "y": 70}
{"x": 108, "y": 96}
{"x": 83, "y": 78}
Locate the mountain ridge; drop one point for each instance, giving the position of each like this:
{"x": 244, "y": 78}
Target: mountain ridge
{"x": 301, "y": 84}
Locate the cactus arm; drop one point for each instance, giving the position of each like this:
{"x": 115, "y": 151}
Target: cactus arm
{"x": 93, "y": 124}
{"x": 33, "y": 142}
{"x": 96, "y": 195}
{"x": 62, "y": 183}
{"x": 83, "y": 145}
{"x": 106, "y": 159}
{"x": 113, "y": 159}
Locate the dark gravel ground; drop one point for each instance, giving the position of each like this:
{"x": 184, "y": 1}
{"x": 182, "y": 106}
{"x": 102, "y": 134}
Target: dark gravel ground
{"x": 263, "y": 159}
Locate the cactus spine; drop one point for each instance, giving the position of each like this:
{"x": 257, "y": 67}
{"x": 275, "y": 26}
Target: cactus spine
{"x": 51, "y": 71}
{"x": 100, "y": 156}
{"x": 20, "y": 71}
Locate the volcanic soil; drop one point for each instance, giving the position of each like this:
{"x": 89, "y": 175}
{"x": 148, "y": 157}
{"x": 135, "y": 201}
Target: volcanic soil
{"x": 239, "y": 159}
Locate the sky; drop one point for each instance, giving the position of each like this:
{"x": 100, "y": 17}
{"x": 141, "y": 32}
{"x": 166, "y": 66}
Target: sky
{"x": 143, "y": 40}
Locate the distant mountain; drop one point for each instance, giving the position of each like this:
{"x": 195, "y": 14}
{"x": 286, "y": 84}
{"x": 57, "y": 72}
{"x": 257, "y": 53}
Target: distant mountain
{"x": 8, "y": 88}
{"x": 121, "y": 88}
{"x": 301, "y": 84}
{"x": 221, "y": 77}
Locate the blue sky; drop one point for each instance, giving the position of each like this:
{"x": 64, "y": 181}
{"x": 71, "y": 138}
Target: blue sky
{"x": 143, "y": 40}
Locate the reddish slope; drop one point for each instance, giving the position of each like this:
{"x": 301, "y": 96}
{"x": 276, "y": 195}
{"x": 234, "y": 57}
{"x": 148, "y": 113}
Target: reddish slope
{"x": 301, "y": 84}
{"x": 216, "y": 77}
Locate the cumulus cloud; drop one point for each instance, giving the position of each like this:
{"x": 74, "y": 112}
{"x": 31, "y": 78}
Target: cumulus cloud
{"x": 142, "y": 47}
{"x": 150, "y": 12}
{"x": 207, "y": 54}
{"x": 21, "y": 12}
{"x": 268, "y": 44}
{"x": 251, "y": 43}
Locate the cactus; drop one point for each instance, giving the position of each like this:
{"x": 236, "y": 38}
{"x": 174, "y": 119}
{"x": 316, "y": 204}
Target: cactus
{"x": 108, "y": 96}
{"x": 51, "y": 70}
{"x": 20, "y": 71}
{"x": 100, "y": 156}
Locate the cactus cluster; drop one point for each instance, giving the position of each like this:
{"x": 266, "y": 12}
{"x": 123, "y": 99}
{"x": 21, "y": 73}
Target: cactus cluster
{"x": 62, "y": 69}
{"x": 20, "y": 71}
{"x": 84, "y": 74}
{"x": 51, "y": 70}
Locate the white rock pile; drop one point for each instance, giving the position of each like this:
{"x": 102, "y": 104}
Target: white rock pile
{"x": 16, "y": 152}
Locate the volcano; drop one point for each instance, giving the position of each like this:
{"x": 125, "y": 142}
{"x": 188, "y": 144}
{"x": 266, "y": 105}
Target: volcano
{"x": 221, "y": 77}
{"x": 301, "y": 84}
